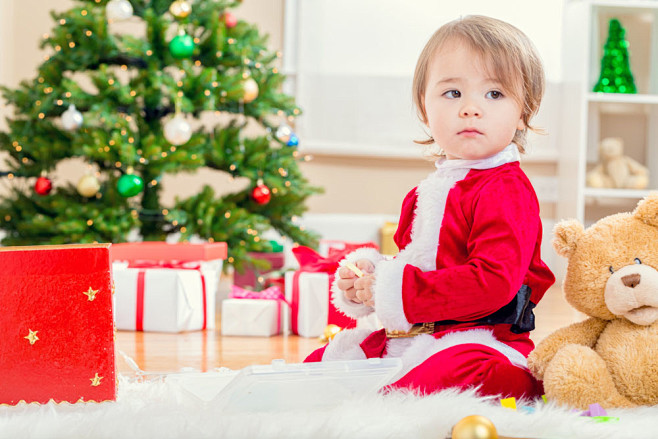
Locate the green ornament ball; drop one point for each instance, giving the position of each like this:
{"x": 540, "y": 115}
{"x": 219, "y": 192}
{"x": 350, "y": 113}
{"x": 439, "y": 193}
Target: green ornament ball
{"x": 181, "y": 46}
{"x": 130, "y": 185}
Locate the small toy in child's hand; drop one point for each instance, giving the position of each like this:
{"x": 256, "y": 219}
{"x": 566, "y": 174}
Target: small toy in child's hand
{"x": 354, "y": 268}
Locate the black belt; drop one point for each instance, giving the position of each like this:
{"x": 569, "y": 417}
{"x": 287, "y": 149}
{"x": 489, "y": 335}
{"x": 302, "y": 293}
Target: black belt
{"x": 517, "y": 313}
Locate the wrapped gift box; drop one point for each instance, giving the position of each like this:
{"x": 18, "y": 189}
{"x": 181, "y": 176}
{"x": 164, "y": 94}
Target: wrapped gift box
{"x": 164, "y": 299}
{"x": 310, "y": 309}
{"x": 251, "y": 317}
{"x": 56, "y": 324}
{"x": 166, "y": 287}
{"x": 252, "y": 313}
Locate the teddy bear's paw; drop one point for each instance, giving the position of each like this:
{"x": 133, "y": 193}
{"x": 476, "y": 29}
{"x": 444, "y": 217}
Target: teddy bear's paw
{"x": 537, "y": 364}
{"x": 577, "y": 376}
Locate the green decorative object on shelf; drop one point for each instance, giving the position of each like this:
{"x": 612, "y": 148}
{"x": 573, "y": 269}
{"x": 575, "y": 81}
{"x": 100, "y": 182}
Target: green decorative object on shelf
{"x": 616, "y": 75}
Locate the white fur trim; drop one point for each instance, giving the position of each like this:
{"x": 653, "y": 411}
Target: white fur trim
{"x": 424, "y": 346}
{"x": 388, "y": 294}
{"x": 347, "y": 307}
{"x": 345, "y": 345}
{"x": 421, "y": 251}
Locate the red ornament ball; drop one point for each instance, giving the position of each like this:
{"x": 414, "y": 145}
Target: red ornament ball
{"x": 229, "y": 20}
{"x": 261, "y": 194}
{"x": 43, "y": 186}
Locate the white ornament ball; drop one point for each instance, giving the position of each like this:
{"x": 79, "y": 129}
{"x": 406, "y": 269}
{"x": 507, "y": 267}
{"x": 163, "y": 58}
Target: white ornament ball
{"x": 88, "y": 186}
{"x": 72, "y": 119}
{"x": 117, "y": 10}
{"x": 250, "y": 87}
{"x": 177, "y": 131}
{"x": 283, "y": 133}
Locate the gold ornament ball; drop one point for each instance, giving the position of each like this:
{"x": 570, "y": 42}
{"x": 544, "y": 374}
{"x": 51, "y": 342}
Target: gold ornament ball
{"x": 474, "y": 427}
{"x": 250, "y": 88}
{"x": 330, "y": 332}
{"x": 180, "y": 9}
{"x": 88, "y": 186}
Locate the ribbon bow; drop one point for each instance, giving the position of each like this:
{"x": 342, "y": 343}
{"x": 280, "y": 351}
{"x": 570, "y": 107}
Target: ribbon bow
{"x": 271, "y": 293}
{"x": 310, "y": 260}
{"x": 177, "y": 265}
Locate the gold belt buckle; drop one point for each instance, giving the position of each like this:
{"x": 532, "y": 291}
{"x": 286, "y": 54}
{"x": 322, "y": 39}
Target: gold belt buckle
{"x": 421, "y": 328}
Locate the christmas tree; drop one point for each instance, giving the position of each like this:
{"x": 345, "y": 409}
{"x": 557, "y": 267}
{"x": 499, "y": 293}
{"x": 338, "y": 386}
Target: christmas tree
{"x": 127, "y": 105}
{"x": 616, "y": 76}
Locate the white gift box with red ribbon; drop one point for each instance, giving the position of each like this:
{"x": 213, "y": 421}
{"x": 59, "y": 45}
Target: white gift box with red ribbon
{"x": 250, "y": 313}
{"x": 165, "y": 297}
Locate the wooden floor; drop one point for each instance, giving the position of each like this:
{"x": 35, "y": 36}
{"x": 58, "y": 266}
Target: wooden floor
{"x": 207, "y": 350}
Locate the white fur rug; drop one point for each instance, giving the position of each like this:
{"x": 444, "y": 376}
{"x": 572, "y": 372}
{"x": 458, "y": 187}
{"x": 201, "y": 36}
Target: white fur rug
{"x": 162, "y": 409}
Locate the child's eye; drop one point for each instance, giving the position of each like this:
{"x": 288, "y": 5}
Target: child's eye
{"x": 452, "y": 94}
{"x": 494, "y": 94}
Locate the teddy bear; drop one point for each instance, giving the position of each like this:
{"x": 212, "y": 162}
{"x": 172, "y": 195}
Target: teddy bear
{"x": 616, "y": 170}
{"x": 610, "y": 358}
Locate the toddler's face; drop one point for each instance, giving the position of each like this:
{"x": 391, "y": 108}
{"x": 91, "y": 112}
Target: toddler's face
{"x": 470, "y": 115}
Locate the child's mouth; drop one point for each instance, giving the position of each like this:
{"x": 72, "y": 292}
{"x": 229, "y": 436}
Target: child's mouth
{"x": 469, "y": 133}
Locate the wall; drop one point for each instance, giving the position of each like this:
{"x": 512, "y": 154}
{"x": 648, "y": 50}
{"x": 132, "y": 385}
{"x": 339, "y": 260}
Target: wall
{"x": 366, "y": 185}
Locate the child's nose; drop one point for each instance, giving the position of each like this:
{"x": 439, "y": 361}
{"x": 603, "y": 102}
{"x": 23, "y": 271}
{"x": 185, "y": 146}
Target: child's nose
{"x": 470, "y": 110}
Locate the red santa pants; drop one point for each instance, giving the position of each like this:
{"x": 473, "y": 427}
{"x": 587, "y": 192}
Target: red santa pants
{"x": 465, "y": 366}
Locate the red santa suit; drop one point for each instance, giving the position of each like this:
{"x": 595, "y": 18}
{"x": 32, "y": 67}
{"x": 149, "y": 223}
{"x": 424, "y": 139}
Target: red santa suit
{"x": 469, "y": 238}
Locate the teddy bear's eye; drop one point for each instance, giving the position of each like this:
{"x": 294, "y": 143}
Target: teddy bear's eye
{"x": 637, "y": 260}
{"x": 612, "y": 270}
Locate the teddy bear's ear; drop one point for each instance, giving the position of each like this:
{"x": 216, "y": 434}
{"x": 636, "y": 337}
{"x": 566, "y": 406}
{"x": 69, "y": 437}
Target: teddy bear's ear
{"x": 567, "y": 233}
{"x": 647, "y": 209}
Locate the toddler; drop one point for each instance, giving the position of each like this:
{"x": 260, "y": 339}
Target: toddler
{"x": 456, "y": 302}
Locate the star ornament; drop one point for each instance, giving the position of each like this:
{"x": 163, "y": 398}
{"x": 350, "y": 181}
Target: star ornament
{"x": 91, "y": 294}
{"x": 32, "y": 336}
{"x": 96, "y": 380}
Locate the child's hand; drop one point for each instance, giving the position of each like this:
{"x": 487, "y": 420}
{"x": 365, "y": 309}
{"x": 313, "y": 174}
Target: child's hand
{"x": 363, "y": 287}
{"x": 347, "y": 278}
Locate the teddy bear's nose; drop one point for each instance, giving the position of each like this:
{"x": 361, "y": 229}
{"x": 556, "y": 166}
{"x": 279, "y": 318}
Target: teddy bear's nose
{"x": 631, "y": 280}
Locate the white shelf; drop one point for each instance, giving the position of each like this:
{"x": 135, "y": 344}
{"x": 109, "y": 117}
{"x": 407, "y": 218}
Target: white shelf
{"x": 616, "y": 193}
{"x": 623, "y": 98}
{"x": 637, "y": 4}
{"x": 592, "y": 117}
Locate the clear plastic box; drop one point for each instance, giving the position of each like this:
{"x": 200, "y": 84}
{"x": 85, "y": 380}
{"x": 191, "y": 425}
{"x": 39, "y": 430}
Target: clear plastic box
{"x": 281, "y": 386}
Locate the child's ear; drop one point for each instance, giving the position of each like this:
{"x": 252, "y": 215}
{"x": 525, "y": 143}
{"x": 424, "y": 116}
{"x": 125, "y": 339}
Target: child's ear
{"x": 520, "y": 126}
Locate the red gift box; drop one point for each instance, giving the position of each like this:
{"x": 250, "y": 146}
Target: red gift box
{"x": 164, "y": 251}
{"x": 56, "y": 324}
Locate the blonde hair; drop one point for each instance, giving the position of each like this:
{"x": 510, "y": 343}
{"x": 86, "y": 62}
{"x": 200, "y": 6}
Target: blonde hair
{"x": 506, "y": 50}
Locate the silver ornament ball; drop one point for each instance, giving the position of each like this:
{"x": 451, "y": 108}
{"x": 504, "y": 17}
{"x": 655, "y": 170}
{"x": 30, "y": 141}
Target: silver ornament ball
{"x": 177, "y": 131}
{"x": 72, "y": 119}
{"x": 118, "y": 10}
{"x": 283, "y": 133}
